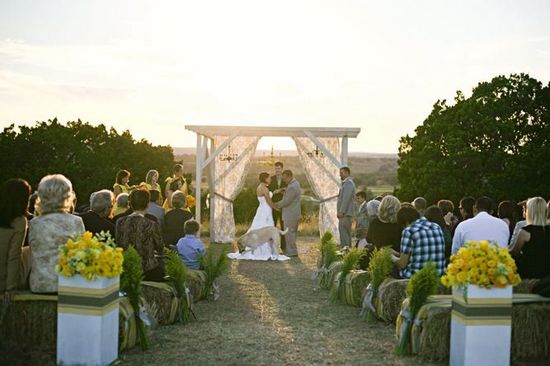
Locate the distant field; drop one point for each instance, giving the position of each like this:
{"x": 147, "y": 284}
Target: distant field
{"x": 381, "y": 189}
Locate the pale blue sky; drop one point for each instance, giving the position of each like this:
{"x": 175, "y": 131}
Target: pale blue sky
{"x": 154, "y": 66}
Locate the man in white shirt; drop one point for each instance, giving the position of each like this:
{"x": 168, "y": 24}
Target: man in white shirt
{"x": 482, "y": 226}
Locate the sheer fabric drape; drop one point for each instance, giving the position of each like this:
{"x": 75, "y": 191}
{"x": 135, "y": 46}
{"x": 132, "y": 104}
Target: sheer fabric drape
{"x": 323, "y": 176}
{"x": 227, "y": 181}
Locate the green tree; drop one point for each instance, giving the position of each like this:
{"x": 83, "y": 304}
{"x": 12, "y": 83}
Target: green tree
{"x": 495, "y": 143}
{"x": 88, "y": 155}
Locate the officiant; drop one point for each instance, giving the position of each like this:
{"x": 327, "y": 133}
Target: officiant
{"x": 277, "y": 187}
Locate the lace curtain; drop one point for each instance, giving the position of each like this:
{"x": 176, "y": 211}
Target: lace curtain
{"x": 323, "y": 176}
{"x": 228, "y": 180}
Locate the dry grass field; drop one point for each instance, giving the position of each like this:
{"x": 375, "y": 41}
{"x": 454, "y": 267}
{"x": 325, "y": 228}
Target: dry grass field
{"x": 272, "y": 313}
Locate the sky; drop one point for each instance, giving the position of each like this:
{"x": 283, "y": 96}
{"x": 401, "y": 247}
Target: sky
{"x": 154, "y": 66}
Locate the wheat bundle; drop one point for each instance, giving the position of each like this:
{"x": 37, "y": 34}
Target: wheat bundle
{"x": 354, "y": 284}
{"x": 333, "y": 270}
{"x": 161, "y": 301}
{"x": 391, "y": 294}
{"x": 196, "y": 282}
{"x": 127, "y": 330}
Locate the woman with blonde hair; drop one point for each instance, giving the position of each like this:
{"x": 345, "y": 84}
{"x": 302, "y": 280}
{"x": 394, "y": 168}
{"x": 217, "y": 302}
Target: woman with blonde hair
{"x": 174, "y": 183}
{"x": 384, "y": 230}
{"x": 151, "y": 181}
{"x": 51, "y": 229}
{"x": 532, "y": 249}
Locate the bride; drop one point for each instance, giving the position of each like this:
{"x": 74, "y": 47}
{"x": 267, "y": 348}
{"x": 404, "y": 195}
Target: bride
{"x": 263, "y": 218}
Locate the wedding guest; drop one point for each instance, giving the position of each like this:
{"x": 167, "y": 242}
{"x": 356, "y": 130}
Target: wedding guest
{"x": 420, "y": 204}
{"x": 466, "y": 207}
{"x": 519, "y": 225}
{"x": 96, "y": 219}
{"x": 121, "y": 182}
{"x": 51, "y": 229}
{"x": 482, "y": 226}
{"x": 121, "y": 205}
{"x": 506, "y": 212}
{"x": 384, "y": 230}
{"x": 175, "y": 220}
{"x": 435, "y": 214}
{"x": 447, "y": 208}
{"x": 174, "y": 183}
{"x": 190, "y": 248}
{"x": 532, "y": 250}
{"x": 277, "y": 187}
{"x": 345, "y": 207}
{"x": 144, "y": 234}
{"x": 154, "y": 208}
{"x": 151, "y": 182}
{"x": 422, "y": 242}
{"x": 14, "y": 266}
{"x": 362, "y": 220}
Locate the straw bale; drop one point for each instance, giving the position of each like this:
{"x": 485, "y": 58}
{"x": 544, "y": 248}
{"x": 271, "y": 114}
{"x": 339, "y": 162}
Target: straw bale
{"x": 196, "y": 281}
{"x": 161, "y": 301}
{"x": 391, "y": 294}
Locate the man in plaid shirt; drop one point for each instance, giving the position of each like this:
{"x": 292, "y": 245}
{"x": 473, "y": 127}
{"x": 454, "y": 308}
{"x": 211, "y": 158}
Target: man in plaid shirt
{"x": 422, "y": 241}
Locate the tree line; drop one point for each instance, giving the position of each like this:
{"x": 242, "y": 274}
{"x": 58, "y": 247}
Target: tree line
{"x": 495, "y": 142}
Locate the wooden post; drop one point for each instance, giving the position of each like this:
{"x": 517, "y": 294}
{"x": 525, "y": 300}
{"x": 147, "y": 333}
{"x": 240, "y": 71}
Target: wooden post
{"x": 344, "y": 152}
{"x": 198, "y": 178}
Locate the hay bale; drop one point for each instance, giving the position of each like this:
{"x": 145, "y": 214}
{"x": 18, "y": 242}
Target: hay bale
{"x": 197, "y": 284}
{"x": 161, "y": 301}
{"x": 530, "y": 330}
{"x": 354, "y": 284}
{"x": 391, "y": 294}
{"x": 30, "y": 324}
{"x": 525, "y": 286}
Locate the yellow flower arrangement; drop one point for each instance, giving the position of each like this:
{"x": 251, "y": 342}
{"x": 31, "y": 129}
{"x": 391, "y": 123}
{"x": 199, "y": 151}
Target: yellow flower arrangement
{"x": 483, "y": 264}
{"x": 190, "y": 201}
{"x": 90, "y": 256}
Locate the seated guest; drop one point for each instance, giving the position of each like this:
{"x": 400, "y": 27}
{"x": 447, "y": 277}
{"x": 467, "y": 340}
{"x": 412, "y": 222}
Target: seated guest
{"x": 435, "y": 214}
{"x": 14, "y": 202}
{"x": 506, "y": 212}
{"x": 384, "y": 230}
{"x": 154, "y": 208}
{"x": 362, "y": 220}
{"x": 422, "y": 242}
{"x": 175, "y": 219}
{"x": 51, "y": 229}
{"x": 190, "y": 247}
{"x": 482, "y": 226}
{"x": 372, "y": 213}
{"x": 97, "y": 219}
{"x": 519, "y": 225}
{"x": 532, "y": 250}
{"x": 144, "y": 234}
{"x": 466, "y": 207}
{"x": 121, "y": 205}
{"x": 447, "y": 208}
{"x": 420, "y": 204}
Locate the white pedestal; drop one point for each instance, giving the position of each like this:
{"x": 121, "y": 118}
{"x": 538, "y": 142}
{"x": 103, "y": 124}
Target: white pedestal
{"x": 481, "y": 326}
{"x": 87, "y": 321}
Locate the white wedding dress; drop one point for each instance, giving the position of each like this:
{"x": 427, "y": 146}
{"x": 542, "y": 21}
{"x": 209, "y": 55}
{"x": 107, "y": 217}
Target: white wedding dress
{"x": 263, "y": 218}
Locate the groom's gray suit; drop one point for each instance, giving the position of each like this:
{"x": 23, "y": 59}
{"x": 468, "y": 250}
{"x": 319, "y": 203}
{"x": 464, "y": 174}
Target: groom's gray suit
{"x": 290, "y": 204}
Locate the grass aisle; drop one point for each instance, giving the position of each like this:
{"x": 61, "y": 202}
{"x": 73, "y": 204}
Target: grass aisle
{"x": 272, "y": 313}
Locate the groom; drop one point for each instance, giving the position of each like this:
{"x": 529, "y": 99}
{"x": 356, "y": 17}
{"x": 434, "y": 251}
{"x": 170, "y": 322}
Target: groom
{"x": 290, "y": 204}
{"x": 277, "y": 187}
